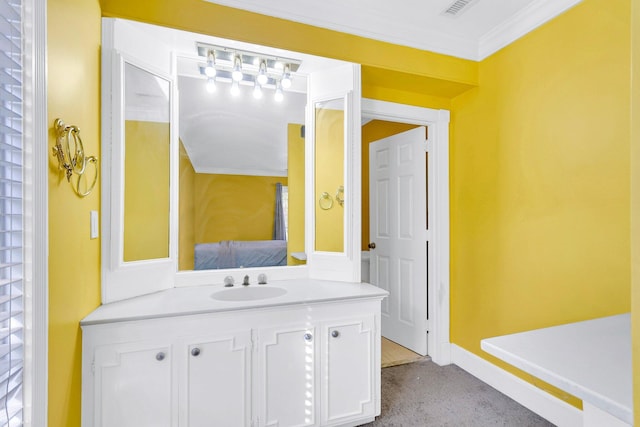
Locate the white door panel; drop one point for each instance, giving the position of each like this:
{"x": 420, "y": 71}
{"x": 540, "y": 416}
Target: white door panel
{"x": 398, "y": 209}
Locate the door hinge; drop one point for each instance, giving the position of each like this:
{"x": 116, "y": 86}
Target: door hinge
{"x": 93, "y": 366}
{"x": 428, "y": 145}
{"x": 427, "y": 325}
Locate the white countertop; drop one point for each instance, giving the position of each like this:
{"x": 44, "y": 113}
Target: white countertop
{"x": 590, "y": 359}
{"x": 197, "y": 300}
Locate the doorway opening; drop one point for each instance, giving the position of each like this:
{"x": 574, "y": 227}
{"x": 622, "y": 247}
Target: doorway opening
{"x": 412, "y": 209}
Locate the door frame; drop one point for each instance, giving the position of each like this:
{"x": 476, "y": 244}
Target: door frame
{"x": 437, "y": 121}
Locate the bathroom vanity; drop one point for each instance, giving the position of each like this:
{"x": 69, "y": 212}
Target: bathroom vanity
{"x": 289, "y": 353}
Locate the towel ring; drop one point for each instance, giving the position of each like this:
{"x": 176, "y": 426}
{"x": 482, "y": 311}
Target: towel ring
{"x": 325, "y": 202}
{"x": 338, "y": 193}
{"x": 69, "y": 151}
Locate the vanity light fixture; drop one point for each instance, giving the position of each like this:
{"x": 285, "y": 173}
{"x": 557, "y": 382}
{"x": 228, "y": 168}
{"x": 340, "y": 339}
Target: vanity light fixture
{"x": 210, "y": 70}
{"x": 262, "y": 73}
{"x": 221, "y": 64}
{"x": 286, "y": 77}
{"x": 236, "y": 74}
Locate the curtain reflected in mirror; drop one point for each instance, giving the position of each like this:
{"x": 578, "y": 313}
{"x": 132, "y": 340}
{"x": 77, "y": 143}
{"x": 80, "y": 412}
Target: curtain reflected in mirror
{"x": 146, "y": 165}
{"x": 329, "y": 176}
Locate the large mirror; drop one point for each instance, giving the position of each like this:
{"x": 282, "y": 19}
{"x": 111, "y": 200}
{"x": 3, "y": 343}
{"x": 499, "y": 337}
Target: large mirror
{"x": 147, "y": 143}
{"x": 241, "y": 197}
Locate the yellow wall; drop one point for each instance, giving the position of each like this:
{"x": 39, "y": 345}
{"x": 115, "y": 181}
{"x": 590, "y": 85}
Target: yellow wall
{"x": 540, "y": 180}
{"x": 186, "y": 212}
{"x": 635, "y": 204}
{"x": 374, "y": 131}
{"x": 295, "y": 170}
{"x": 73, "y": 94}
{"x": 146, "y": 190}
{"x": 329, "y": 176}
{"x": 234, "y": 207}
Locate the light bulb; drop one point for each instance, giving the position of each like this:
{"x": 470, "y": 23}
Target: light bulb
{"x": 262, "y": 73}
{"x": 210, "y": 70}
{"x": 236, "y": 74}
{"x": 211, "y": 85}
{"x": 235, "y": 88}
{"x": 286, "y": 77}
{"x": 279, "y": 95}
{"x": 257, "y": 90}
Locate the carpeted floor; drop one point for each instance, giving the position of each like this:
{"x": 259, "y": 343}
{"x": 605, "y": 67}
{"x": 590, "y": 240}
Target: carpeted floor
{"x": 425, "y": 394}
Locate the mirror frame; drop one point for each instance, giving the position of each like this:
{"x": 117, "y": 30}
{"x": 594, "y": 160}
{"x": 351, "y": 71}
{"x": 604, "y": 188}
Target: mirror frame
{"x": 120, "y": 279}
{"x": 338, "y": 83}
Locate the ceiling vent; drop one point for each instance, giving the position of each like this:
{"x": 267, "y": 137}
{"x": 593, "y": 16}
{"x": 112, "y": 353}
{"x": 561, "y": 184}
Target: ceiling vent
{"x": 457, "y": 8}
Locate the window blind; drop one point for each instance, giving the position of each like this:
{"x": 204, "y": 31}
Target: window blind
{"x": 11, "y": 214}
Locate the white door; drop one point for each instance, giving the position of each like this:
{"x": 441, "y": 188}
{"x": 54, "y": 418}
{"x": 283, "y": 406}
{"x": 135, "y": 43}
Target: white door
{"x": 398, "y": 229}
{"x": 219, "y": 381}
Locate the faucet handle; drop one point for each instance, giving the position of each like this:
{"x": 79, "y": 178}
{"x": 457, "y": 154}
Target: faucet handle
{"x": 245, "y": 282}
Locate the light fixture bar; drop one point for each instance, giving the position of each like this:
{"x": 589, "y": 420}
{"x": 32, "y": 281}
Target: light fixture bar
{"x": 249, "y": 59}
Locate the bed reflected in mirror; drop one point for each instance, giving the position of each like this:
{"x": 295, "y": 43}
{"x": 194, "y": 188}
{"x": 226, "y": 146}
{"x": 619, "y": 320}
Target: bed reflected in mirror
{"x": 241, "y": 187}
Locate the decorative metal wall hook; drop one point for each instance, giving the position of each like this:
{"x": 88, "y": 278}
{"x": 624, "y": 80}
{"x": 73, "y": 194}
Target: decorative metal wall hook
{"x": 71, "y": 156}
{"x": 340, "y": 195}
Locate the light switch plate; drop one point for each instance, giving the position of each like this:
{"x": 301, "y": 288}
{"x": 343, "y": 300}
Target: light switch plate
{"x": 94, "y": 224}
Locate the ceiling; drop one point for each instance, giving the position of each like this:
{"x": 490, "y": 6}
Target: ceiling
{"x": 479, "y": 29}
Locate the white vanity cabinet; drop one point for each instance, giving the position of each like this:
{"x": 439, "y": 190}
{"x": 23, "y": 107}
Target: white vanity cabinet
{"x": 298, "y": 363}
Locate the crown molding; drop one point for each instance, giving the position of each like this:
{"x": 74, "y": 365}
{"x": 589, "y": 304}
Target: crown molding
{"x": 424, "y": 38}
{"x": 523, "y": 22}
{"x": 396, "y": 33}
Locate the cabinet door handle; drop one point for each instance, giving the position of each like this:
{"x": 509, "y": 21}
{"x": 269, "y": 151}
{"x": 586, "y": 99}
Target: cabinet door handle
{"x": 160, "y": 356}
{"x": 335, "y": 334}
{"x": 195, "y": 351}
{"x": 308, "y": 337}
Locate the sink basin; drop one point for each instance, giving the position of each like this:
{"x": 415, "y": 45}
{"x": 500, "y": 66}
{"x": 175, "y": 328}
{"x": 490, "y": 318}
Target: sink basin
{"x": 249, "y": 293}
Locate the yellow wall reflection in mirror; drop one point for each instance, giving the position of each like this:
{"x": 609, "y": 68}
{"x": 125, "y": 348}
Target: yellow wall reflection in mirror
{"x": 146, "y": 195}
{"x": 329, "y": 175}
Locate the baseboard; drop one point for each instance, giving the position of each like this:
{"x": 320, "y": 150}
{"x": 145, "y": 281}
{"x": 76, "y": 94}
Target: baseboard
{"x": 531, "y": 397}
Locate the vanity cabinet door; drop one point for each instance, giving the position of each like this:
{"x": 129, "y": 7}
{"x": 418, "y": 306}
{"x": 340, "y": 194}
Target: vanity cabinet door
{"x": 219, "y": 381}
{"x": 287, "y": 368}
{"x": 132, "y": 385}
{"x": 349, "y": 388}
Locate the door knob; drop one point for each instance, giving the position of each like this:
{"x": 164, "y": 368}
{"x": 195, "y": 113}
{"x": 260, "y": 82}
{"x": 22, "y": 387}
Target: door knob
{"x": 308, "y": 337}
{"x": 372, "y": 245}
{"x": 335, "y": 334}
{"x": 195, "y": 351}
{"x": 160, "y": 356}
